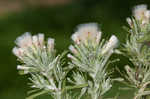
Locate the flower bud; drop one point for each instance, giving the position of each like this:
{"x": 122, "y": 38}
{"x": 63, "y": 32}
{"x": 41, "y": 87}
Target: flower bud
{"x": 21, "y": 67}
{"x": 129, "y": 22}
{"x": 112, "y": 43}
{"x": 50, "y": 44}
{"x": 18, "y": 52}
{"x": 75, "y": 38}
{"x": 98, "y": 37}
{"x": 72, "y": 49}
{"x": 41, "y": 39}
{"x": 35, "y": 40}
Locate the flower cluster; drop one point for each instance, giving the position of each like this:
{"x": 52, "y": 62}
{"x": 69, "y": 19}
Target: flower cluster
{"x": 87, "y": 70}
{"x": 31, "y": 47}
{"x": 137, "y": 49}
{"x": 90, "y": 33}
{"x": 141, "y": 14}
{"x": 90, "y": 55}
{"x": 86, "y": 33}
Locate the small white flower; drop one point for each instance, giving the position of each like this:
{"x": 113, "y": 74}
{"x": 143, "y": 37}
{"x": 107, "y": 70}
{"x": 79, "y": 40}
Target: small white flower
{"x": 86, "y": 32}
{"x": 50, "y": 44}
{"x": 24, "y": 41}
{"x": 112, "y": 43}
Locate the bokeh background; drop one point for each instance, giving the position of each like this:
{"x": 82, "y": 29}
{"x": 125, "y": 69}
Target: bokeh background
{"x": 57, "y": 19}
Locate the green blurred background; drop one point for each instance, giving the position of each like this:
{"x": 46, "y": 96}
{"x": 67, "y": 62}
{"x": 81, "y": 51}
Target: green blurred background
{"x": 57, "y": 19}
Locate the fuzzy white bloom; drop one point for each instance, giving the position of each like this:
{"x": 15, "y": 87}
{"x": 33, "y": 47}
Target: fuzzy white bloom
{"x": 24, "y": 41}
{"x": 72, "y": 49}
{"x": 50, "y": 44}
{"x": 112, "y": 43}
{"x": 86, "y": 32}
{"x": 18, "y": 52}
{"x": 141, "y": 13}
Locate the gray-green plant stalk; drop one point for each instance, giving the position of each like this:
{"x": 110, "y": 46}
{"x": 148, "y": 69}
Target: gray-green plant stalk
{"x": 137, "y": 49}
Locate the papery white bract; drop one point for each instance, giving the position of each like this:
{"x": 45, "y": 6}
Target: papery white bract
{"x": 50, "y": 44}
{"x": 24, "y": 41}
{"x": 87, "y": 32}
{"x": 111, "y": 44}
{"x": 41, "y": 38}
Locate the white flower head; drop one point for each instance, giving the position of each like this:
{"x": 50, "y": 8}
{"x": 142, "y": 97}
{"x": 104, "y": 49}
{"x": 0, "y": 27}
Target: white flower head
{"x": 50, "y": 44}
{"x": 86, "y": 32}
{"x": 141, "y": 13}
{"x": 24, "y": 41}
{"x": 111, "y": 44}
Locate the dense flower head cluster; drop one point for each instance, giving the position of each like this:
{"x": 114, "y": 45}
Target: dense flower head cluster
{"x": 30, "y": 46}
{"x": 138, "y": 52}
{"x": 90, "y": 53}
{"x": 87, "y": 70}
{"x": 87, "y": 32}
{"x": 90, "y": 33}
{"x": 141, "y": 13}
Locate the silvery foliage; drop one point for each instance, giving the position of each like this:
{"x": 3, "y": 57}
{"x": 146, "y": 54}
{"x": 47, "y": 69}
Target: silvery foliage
{"x": 90, "y": 55}
{"x": 85, "y": 75}
{"x": 137, "y": 48}
{"x": 39, "y": 59}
